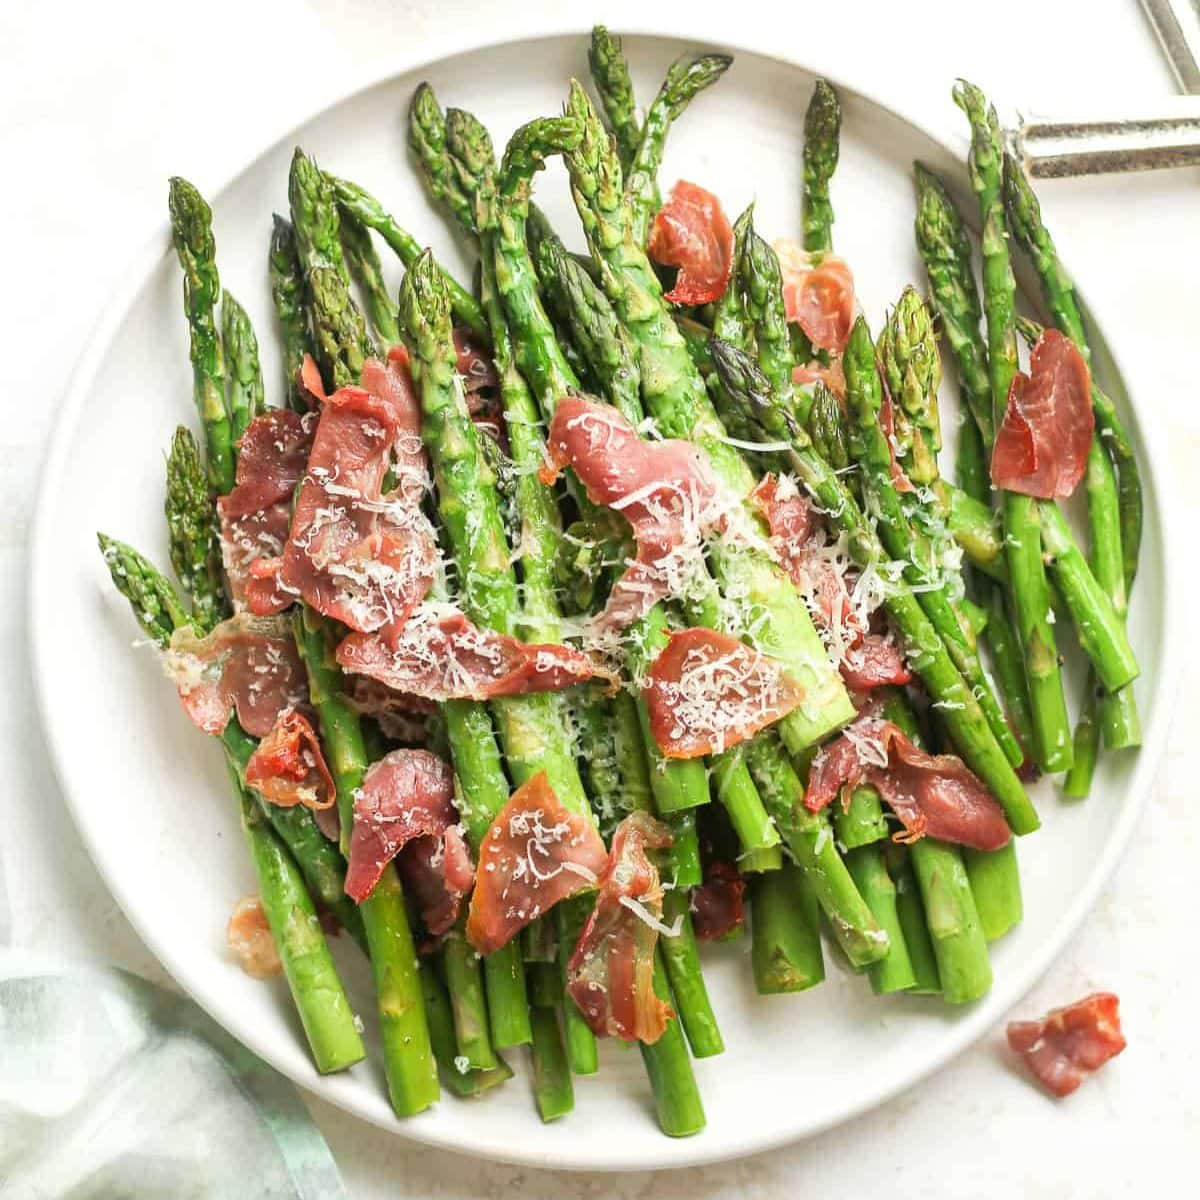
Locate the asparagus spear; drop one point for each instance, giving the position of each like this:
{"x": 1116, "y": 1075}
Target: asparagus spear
{"x": 287, "y": 293}
{"x": 946, "y": 251}
{"x": 610, "y": 74}
{"x": 869, "y": 446}
{"x": 900, "y": 537}
{"x": 308, "y": 966}
{"x": 362, "y": 261}
{"x": 246, "y": 398}
{"x": 338, "y": 329}
{"x": 191, "y": 231}
{"x": 894, "y": 972}
{"x": 192, "y": 531}
{"x": 822, "y": 132}
{"x": 1023, "y": 534}
{"x": 910, "y": 912}
{"x": 912, "y": 368}
{"x": 908, "y": 352}
{"x": 926, "y": 651}
{"x": 785, "y": 951}
{"x": 411, "y": 1072}
{"x": 367, "y": 211}
{"x": 685, "y": 80}
{"x": 1118, "y": 714}
{"x": 343, "y": 346}
{"x": 959, "y": 945}
{"x": 673, "y": 391}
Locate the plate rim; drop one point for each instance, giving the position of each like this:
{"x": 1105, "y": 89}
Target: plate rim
{"x": 712, "y": 1146}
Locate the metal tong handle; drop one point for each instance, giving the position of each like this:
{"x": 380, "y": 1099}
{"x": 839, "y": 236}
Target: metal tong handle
{"x": 1168, "y": 137}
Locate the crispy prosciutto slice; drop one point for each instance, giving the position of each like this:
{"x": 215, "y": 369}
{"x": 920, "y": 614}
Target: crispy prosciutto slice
{"x": 1068, "y": 1044}
{"x": 717, "y": 905}
{"x": 691, "y": 232}
{"x": 354, "y": 554}
{"x": 439, "y": 655}
{"x": 246, "y": 664}
{"x": 818, "y": 295}
{"x": 535, "y": 854}
{"x": 257, "y": 514}
{"x": 1042, "y": 444}
{"x": 932, "y": 794}
{"x": 288, "y": 767}
{"x": 405, "y": 807}
{"x": 610, "y": 974}
{"x": 665, "y": 490}
{"x": 706, "y": 691}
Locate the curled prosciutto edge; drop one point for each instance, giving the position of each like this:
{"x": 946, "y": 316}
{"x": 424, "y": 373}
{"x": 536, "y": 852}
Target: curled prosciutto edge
{"x": 535, "y": 853}
{"x": 1068, "y": 1044}
{"x": 404, "y": 810}
{"x": 692, "y": 232}
{"x": 818, "y": 295}
{"x": 1042, "y": 444}
{"x": 610, "y": 974}
{"x": 934, "y": 795}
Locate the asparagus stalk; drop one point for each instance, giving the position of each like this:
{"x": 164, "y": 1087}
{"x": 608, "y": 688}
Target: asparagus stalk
{"x": 357, "y": 203}
{"x": 552, "y": 1086}
{"x": 193, "y": 538}
{"x": 246, "y": 399}
{"x": 610, "y": 74}
{"x": 362, "y": 261}
{"x": 952, "y": 918}
{"x": 343, "y": 346}
{"x": 461, "y": 1082}
{"x": 926, "y": 651}
{"x": 946, "y": 251}
{"x": 338, "y": 329}
{"x": 910, "y": 911}
{"x": 191, "y": 231}
{"x": 287, "y": 293}
{"x": 822, "y": 133}
{"x": 869, "y": 446}
{"x": 785, "y": 948}
{"x": 994, "y": 876}
{"x": 894, "y": 972}
{"x": 409, "y": 1065}
{"x": 308, "y": 965}
{"x": 1023, "y": 533}
{"x": 1118, "y": 714}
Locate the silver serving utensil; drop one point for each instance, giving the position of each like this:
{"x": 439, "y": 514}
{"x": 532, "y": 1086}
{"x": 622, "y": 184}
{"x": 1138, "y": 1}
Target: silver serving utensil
{"x": 1169, "y": 136}
{"x": 1177, "y": 26}
{"x": 1166, "y": 136}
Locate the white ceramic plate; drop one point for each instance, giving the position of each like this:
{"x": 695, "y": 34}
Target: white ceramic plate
{"x": 150, "y": 796}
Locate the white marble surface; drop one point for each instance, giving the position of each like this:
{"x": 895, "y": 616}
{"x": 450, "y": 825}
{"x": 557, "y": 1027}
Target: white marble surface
{"x": 98, "y": 104}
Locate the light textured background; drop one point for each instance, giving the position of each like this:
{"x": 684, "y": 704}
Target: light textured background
{"x": 99, "y": 103}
